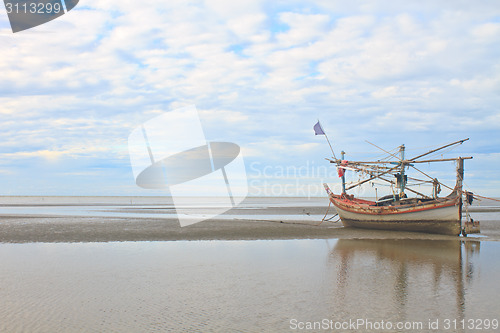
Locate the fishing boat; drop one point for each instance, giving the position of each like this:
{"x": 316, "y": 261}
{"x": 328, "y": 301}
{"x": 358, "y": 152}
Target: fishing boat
{"x": 397, "y": 211}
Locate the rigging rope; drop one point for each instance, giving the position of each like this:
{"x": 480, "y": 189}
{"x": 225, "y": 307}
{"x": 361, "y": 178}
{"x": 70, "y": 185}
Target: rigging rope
{"x": 323, "y": 219}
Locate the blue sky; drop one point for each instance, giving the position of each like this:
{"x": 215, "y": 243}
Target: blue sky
{"x": 260, "y": 73}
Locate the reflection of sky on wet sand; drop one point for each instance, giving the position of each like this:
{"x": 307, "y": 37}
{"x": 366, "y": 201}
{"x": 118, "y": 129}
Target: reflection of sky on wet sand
{"x": 308, "y": 210}
{"x": 253, "y": 285}
{"x": 404, "y": 279}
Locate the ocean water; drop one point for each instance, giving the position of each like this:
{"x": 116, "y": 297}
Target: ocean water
{"x": 250, "y": 286}
{"x": 357, "y": 284}
{"x": 255, "y": 208}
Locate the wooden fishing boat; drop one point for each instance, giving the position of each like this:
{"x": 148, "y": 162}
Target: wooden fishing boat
{"x": 440, "y": 215}
{"x": 422, "y": 213}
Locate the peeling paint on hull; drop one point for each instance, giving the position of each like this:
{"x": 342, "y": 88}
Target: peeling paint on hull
{"x": 438, "y": 216}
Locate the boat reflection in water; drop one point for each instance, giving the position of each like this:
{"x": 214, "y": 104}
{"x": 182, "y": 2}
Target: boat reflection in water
{"x": 402, "y": 279}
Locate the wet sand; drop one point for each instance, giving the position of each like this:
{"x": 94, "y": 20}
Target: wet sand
{"x": 265, "y": 223}
{"x": 91, "y": 229}
{"x": 246, "y": 286}
{"x": 109, "y": 219}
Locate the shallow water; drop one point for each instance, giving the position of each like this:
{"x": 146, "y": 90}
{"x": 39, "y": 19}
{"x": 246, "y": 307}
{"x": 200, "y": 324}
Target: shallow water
{"x": 155, "y": 207}
{"x": 249, "y": 286}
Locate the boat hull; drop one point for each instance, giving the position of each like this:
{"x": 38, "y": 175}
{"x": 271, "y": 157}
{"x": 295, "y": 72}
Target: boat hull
{"x": 440, "y": 217}
{"x": 433, "y": 227}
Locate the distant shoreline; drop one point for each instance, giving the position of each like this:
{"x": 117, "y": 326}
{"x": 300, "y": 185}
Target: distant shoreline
{"x": 58, "y": 200}
{"x": 255, "y": 218}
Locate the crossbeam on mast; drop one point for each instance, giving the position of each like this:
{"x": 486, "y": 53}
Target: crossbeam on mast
{"x": 442, "y": 147}
{"x": 385, "y": 151}
{"x": 443, "y": 160}
{"x": 373, "y": 177}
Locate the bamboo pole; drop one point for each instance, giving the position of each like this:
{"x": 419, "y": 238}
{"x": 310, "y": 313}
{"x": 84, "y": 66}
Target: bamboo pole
{"x": 434, "y": 150}
{"x": 409, "y": 189}
{"x": 385, "y": 151}
{"x": 367, "y": 180}
{"x": 432, "y": 178}
{"x": 443, "y": 160}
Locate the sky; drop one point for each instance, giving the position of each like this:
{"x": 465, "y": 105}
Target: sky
{"x": 261, "y": 74}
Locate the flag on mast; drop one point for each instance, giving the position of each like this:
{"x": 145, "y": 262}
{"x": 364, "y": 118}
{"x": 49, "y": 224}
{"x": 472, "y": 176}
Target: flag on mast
{"x": 318, "y": 130}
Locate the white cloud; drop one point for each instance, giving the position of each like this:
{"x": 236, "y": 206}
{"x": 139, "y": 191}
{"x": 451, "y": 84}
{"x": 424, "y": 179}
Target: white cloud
{"x": 248, "y": 28}
{"x": 303, "y": 28}
{"x": 387, "y": 69}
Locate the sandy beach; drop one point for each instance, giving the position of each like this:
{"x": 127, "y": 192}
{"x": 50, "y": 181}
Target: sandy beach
{"x": 92, "y": 229}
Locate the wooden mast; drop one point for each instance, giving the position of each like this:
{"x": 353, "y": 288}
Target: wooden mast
{"x": 460, "y": 175}
{"x": 342, "y": 154}
{"x": 402, "y": 173}
{"x": 458, "y": 189}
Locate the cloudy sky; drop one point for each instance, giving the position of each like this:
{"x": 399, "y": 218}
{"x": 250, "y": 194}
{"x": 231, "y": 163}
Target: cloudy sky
{"x": 260, "y": 73}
